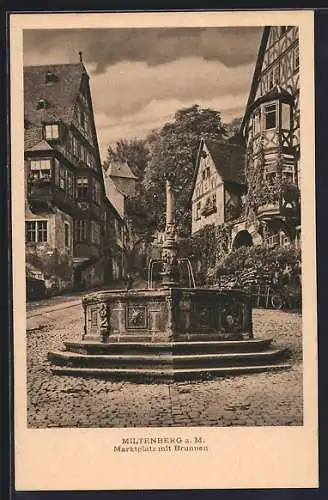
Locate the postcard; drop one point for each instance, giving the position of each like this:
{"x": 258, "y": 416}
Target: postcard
{"x": 163, "y": 236}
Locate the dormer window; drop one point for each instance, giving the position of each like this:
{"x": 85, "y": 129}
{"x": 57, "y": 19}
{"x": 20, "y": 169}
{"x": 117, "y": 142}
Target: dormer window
{"x": 50, "y": 77}
{"x": 51, "y": 131}
{"x": 42, "y": 104}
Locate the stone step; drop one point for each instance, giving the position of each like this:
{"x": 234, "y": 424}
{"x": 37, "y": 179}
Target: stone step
{"x": 166, "y": 375}
{"x": 166, "y": 360}
{"x": 181, "y": 347}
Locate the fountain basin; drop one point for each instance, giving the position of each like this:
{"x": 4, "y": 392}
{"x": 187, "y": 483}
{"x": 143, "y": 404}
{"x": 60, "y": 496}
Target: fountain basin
{"x": 173, "y": 314}
{"x": 163, "y": 335}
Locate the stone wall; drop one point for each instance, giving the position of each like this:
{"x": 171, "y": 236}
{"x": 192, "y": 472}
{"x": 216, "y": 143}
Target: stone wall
{"x": 52, "y": 258}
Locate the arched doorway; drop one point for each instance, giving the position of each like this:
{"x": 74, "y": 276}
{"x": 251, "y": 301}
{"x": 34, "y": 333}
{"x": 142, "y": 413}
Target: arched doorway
{"x": 242, "y": 239}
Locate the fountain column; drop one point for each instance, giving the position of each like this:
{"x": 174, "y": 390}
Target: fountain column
{"x": 169, "y": 249}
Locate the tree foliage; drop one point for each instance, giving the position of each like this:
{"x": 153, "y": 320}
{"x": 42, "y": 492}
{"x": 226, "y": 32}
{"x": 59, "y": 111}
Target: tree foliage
{"x": 134, "y": 152}
{"x": 170, "y": 150}
{"x": 173, "y": 151}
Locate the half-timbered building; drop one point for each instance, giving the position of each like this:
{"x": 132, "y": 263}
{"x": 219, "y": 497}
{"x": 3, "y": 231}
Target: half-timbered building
{"x": 270, "y": 129}
{"x": 218, "y": 184}
{"x": 70, "y": 223}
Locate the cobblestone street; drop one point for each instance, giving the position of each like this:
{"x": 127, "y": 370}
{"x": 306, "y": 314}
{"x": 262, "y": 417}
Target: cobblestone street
{"x": 262, "y": 399}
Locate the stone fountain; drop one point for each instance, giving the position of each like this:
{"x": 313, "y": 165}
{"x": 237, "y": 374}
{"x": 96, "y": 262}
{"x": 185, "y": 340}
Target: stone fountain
{"x": 166, "y": 332}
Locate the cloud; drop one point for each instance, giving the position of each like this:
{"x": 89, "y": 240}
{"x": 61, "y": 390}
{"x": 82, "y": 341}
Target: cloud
{"x": 102, "y": 48}
{"x": 155, "y": 114}
{"x": 141, "y": 77}
{"x": 127, "y": 88}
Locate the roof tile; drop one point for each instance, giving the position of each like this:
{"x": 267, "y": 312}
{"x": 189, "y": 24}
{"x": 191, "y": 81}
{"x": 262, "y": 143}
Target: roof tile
{"x": 228, "y": 159}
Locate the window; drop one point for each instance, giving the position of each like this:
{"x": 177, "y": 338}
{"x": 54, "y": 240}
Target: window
{"x": 62, "y": 178}
{"x": 270, "y": 118}
{"x": 40, "y": 169}
{"x": 296, "y": 58}
{"x": 76, "y": 147}
{"x": 198, "y": 207}
{"x": 86, "y": 124}
{"x": 82, "y": 188}
{"x": 285, "y": 116}
{"x": 70, "y": 184}
{"x": 41, "y": 104}
{"x": 67, "y": 235}
{"x": 288, "y": 177}
{"x": 271, "y": 177}
{"x": 95, "y": 232}
{"x": 207, "y": 172}
{"x": 90, "y": 159}
{"x": 257, "y": 122}
{"x": 81, "y": 230}
{"x": 214, "y": 200}
{"x": 36, "y": 231}
{"x": 83, "y": 154}
{"x": 52, "y": 132}
{"x": 270, "y": 80}
{"x": 96, "y": 192}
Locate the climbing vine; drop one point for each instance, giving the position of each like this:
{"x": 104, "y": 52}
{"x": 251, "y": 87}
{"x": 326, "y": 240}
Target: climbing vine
{"x": 208, "y": 247}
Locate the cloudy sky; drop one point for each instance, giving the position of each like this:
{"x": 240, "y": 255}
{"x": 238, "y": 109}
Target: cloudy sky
{"x": 140, "y": 77}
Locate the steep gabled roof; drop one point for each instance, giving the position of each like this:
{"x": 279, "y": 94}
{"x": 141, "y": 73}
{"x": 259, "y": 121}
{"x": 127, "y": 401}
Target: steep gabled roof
{"x": 120, "y": 169}
{"x": 59, "y": 96}
{"x": 256, "y": 75}
{"x": 41, "y": 146}
{"x": 228, "y": 159}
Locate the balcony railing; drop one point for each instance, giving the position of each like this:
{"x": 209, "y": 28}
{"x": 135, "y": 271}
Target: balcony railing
{"x": 209, "y": 209}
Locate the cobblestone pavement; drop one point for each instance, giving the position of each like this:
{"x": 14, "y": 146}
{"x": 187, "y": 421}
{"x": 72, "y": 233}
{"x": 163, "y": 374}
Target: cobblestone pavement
{"x": 247, "y": 400}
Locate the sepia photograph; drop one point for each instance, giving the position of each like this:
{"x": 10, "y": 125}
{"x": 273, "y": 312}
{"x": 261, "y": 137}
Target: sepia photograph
{"x": 163, "y": 229}
{"x": 163, "y": 240}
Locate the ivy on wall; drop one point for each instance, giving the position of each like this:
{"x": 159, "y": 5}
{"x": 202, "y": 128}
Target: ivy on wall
{"x": 51, "y": 263}
{"x": 208, "y": 247}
